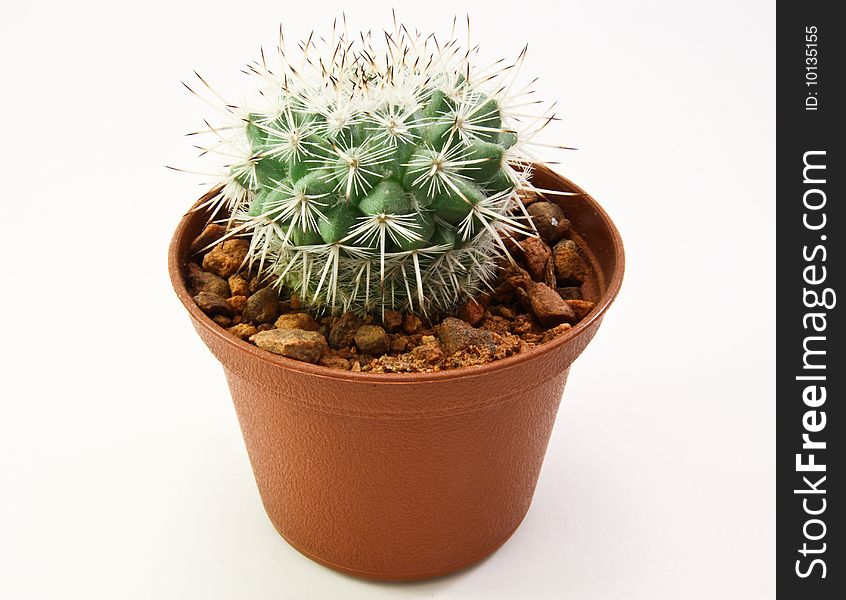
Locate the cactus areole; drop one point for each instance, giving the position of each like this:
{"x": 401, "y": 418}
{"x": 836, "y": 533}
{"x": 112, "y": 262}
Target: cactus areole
{"x": 371, "y": 178}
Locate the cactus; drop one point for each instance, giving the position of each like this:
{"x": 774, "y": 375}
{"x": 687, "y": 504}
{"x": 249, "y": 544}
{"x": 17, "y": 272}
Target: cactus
{"x": 367, "y": 183}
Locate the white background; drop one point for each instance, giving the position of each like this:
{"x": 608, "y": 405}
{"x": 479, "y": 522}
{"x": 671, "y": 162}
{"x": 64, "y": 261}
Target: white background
{"x": 122, "y": 469}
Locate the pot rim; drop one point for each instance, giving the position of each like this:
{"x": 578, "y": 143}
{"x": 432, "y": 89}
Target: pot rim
{"x": 614, "y": 282}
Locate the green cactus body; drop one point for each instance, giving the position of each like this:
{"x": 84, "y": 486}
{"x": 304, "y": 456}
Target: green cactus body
{"x": 380, "y": 186}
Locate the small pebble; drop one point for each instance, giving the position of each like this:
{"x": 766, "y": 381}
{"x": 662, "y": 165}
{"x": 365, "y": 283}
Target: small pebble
{"x": 549, "y": 220}
{"x": 549, "y": 308}
{"x": 570, "y": 293}
{"x": 212, "y": 304}
{"x": 471, "y": 312}
{"x": 302, "y": 321}
{"x": 536, "y": 254}
{"x": 307, "y": 346}
{"x": 372, "y": 339}
{"x": 238, "y": 303}
{"x": 570, "y": 267}
{"x": 411, "y": 323}
{"x": 239, "y": 286}
{"x": 243, "y": 330}
{"x": 209, "y": 236}
{"x": 263, "y": 306}
{"x": 203, "y": 281}
{"x": 392, "y": 320}
{"x": 227, "y": 257}
{"x": 581, "y": 307}
{"x": 342, "y": 331}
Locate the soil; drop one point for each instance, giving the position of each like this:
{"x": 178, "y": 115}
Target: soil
{"x": 532, "y": 302}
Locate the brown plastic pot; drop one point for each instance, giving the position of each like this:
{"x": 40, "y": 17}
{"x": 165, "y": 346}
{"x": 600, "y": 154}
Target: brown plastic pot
{"x": 404, "y": 476}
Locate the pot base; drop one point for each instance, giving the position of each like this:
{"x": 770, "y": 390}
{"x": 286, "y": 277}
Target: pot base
{"x": 402, "y": 577}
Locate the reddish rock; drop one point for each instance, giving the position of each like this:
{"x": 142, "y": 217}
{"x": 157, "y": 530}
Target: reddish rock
{"x": 307, "y": 346}
{"x": 209, "y": 236}
{"x": 471, "y": 312}
{"x": 411, "y": 323}
{"x": 398, "y": 343}
{"x": 392, "y": 320}
{"x": 212, "y": 304}
{"x": 496, "y": 323}
{"x": 518, "y": 278}
{"x": 536, "y": 253}
{"x": 334, "y": 362}
{"x": 456, "y": 335}
{"x": 227, "y": 257}
{"x": 549, "y": 220}
{"x": 203, "y": 281}
{"x": 302, "y": 321}
{"x": 372, "y": 339}
{"x": 342, "y": 331}
{"x": 553, "y": 333}
{"x": 524, "y": 324}
{"x": 243, "y": 330}
{"x": 238, "y": 303}
{"x": 523, "y": 299}
{"x": 570, "y": 267}
{"x": 570, "y": 293}
{"x": 549, "y": 308}
{"x": 262, "y": 307}
{"x": 222, "y": 320}
{"x": 429, "y": 354}
{"x": 239, "y": 286}
{"x": 581, "y": 307}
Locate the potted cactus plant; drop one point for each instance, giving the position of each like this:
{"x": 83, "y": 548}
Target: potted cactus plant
{"x": 371, "y": 190}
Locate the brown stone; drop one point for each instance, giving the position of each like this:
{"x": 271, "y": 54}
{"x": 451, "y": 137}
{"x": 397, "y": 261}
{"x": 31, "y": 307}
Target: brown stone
{"x": 536, "y": 253}
{"x": 212, "y": 304}
{"x": 307, "y": 346}
{"x": 553, "y": 333}
{"x": 227, "y": 257}
{"x": 334, "y": 362}
{"x": 570, "y": 293}
{"x": 209, "y": 236}
{"x": 518, "y": 278}
{"x": 456, "y": 335}
{"x": 549, "y": 308}
{"x": 523, "y": 298}
{"x": 372, "y": 339}
{"x": 549, "y": 220}
{"x": 570, "y": 267}
{"x": 222, "y": 320}
{"x": 392, "y": 320}
{"x": 203, "y": 281}
{"x": 411, "y": 323}
{"x": 471, "y": 312}
{"x": 427, "y": 353}
{"x": 238, "y": 303}
{"x": 263, "y": 306}
{"x": 302, "y": 321}
{"x": 243, "y": 330}
{"x": 581, "y": 307}
{"x": 398, "y": 343}
{"x": 239, "y": 286}
{"x": 524, "y": 324}
{"x": 342, "y": 331}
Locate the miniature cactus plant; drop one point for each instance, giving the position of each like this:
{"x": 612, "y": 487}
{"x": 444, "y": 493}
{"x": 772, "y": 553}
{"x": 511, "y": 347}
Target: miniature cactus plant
{"x": 371, "y": 179}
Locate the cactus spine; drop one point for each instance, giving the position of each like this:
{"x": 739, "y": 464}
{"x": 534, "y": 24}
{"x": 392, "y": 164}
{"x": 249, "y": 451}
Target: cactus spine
{"x": 368, "y": 180}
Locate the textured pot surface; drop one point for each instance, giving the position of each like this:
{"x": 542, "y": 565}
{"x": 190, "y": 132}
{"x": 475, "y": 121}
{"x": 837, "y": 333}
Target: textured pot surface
{"x": 404, "y": 476}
